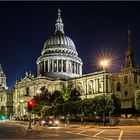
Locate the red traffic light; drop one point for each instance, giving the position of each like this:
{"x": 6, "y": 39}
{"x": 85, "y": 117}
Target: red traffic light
{"x": 30, "y": 104}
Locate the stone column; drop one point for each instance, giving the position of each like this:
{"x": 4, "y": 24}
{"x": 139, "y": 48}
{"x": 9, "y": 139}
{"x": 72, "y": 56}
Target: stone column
{"x": 38, "y": 69}
{"x": 98, "y": 85}
{"x": 48, "y": 65}
{"x": 80, "y": 69}
{"x": 95, "y": 85}
{"x": 57, "y": 65}
{"x": 52, "y": 65}
{"x": 61, "y": 65}
{"x": 92, "y": 86}
{"x": 76, "y": 68}
{"x": 66, "y": 66}
{"x": 44, "y": 66}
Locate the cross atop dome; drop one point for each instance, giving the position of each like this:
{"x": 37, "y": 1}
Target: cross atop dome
{"x": 59, "y": 26}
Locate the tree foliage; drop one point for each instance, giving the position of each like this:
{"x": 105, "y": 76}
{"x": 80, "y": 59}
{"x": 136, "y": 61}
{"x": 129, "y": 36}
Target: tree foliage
{"x": 65, "y": 92}
{"x": 104, "y": 104}
{"x": 74, "y": 95}
{"x": 117, "y": 104}
{"x": 41, "y": 100}
{"x": 57, "y": 98}
{"x": 137, "y": 100}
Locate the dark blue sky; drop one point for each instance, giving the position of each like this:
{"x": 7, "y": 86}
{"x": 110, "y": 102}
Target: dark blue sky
{"x": 93, "y": 26}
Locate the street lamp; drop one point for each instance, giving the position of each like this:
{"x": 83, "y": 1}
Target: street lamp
{"x": 104, "y": 63}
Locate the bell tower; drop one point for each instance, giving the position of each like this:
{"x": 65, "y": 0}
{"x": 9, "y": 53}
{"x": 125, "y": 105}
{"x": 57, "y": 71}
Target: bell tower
{"x": 2, "y": 79}
{"x": 130, "y": 77}
{"x": 129, "y": 54}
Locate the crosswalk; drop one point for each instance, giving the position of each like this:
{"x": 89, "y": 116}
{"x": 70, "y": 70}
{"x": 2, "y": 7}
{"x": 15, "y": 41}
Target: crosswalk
{"x": 100, "y": 134}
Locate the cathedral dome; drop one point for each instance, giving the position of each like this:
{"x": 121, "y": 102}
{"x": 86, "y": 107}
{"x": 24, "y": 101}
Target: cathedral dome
{"x": 59, "y": 57}
{"x": 59, "y": 40}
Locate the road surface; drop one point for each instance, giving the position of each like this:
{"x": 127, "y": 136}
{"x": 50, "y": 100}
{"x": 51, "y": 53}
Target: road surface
{"x": 10, "y": 130}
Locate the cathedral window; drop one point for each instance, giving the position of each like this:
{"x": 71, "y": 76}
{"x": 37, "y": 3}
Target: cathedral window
{"x": 27, "y": 91}
{"x": 125, "y": 79}
{"x": 118, "y": 86}
{"x": 125, "y": 93}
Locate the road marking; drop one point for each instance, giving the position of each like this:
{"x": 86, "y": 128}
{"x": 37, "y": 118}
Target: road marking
{"x": 120, "y": 136}
{"x": 104, "y": 138}
{"x": 98, "y": 133}
{"x": 80, "y": 132}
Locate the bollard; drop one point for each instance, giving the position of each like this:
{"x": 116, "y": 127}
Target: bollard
{"x": 30, "y": 125}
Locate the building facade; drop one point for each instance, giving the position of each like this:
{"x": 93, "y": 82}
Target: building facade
{"x": 6, "y": 97}
{"x": 59, "y": 65}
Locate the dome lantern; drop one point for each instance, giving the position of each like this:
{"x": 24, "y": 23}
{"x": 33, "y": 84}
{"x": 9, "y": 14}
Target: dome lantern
{"x": 59, "y": 26}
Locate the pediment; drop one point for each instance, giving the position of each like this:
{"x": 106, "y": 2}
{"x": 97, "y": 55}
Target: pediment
{"x": 25, "y": 80}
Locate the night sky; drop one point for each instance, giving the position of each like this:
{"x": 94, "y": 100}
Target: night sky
{"x": 95, "y": 28}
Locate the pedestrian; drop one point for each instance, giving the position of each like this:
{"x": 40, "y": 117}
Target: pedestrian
{"x": 34, "y": 121}
{"x": 82, "y": 121}
{"x": 66, "y": 121}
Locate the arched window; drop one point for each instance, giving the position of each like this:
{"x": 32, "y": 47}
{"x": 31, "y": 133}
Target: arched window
{"x": 118, "y": 86}
{"x": 27, "y": 91}
{"x": 89, "y": 89}
{"x": 125, "y": 93}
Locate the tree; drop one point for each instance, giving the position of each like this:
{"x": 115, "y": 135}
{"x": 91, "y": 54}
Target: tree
{"x": 137, "y": 100}
{"x": 42, "y": 99}
{"x": 65, "y": 92}
{"x": 2, "y": 110}
{"x": 104, "y": 104}
{"x": 86, "y": 106}
{"x": 74, "y": 95}
{"x": 46, "y": 110}
{"x": 117, "y": 104}
{"x": 57, "y": 98}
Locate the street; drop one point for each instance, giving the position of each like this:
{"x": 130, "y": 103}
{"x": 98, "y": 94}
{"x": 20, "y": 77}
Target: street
{"x": 10, "y": 130}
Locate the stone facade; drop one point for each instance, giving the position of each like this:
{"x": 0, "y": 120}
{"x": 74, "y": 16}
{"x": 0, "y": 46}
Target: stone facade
{"x": 6, "y": 97}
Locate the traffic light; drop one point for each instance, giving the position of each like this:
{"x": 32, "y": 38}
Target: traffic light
{"x": 3, "y": 117}
{"x": 30, "y": 104}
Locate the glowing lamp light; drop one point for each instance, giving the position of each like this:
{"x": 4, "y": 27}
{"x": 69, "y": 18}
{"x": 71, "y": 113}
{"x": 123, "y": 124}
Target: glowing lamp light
{"x": 104, "y": 63}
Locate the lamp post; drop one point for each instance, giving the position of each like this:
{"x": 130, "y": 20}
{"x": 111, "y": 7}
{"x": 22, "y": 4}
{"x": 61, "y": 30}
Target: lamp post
{"x": 104, "y": 64}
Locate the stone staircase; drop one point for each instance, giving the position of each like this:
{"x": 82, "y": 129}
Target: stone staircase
{"x": 128, "y": 122}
